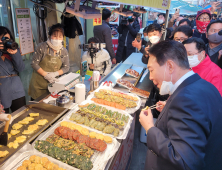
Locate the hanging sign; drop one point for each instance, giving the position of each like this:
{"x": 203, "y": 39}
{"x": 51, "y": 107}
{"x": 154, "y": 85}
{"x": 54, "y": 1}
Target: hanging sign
{"x": 97, "y": 21}
{"x": 25, "y": 30}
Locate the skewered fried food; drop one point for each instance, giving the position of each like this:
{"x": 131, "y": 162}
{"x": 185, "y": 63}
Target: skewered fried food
{"x": 111, "y": 104}
{"x": 34, "y": 114}
{"x": 116, "y": 132}
{"x": 3, "y": 153}
{"x": 132, "y": 72}
{"x": 20, "y": 139}
{"x": 26, "y": 163}
{"x": 86, "y": 105}
{"x": 108, "y": 139}
{"x": 125, "y": 83}
{"x": 109, "y": 129}
{"x": 42, "y": 122}
{"x": 17, "y": 126}
{"x": 14, "y": 132}
{"x": 140, "y": 92}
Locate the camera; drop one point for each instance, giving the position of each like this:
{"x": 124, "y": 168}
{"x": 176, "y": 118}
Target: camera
{"x": 88, "y": 47}
{"x": 124, "y": 21}
{"x": 9, "y": 43}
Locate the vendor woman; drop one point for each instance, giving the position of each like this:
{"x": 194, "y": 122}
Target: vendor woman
{"x": 12, "y": 94}
{"x": 50, "y": 60}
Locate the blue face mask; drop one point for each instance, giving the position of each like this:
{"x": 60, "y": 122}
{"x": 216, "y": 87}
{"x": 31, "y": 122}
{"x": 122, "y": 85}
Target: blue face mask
{"x": 146, "y": 38}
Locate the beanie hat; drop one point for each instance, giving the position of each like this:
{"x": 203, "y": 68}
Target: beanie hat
{"x": 207, "y": 11}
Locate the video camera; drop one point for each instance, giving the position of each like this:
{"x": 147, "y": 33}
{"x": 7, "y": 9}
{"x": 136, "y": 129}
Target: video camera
{"x": 92, "y": 48}
{"x": 9, "y": 43}
{"x": 88, "y": 47}
{"x": 124, "y": 21}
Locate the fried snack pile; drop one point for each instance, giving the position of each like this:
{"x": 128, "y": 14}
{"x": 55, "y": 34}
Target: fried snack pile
{"x": 125, "y": 83}
{"x": 85, "y": 131}
{"x": 75, "y": 135}
{"x": 3, "y": 153}
{"x": 38, "y": 163}
{"x": 121, "y": 99}
{"x": 60, "y": 154}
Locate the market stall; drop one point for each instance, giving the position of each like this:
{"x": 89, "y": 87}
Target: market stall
{"x": 105, "y": 129}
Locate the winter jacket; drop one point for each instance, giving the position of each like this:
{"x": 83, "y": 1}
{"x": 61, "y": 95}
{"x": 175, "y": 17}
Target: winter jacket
{"x": 101, "y": 61}
{"x": 132, "y": 31}
{"x": 197, "y": 34}
{"x": 103, "y": 33}
{"x": 210, "y": 72}
{"x": 11, "y": 88}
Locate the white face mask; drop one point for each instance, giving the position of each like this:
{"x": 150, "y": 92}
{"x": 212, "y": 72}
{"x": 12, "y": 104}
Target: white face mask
{"x": 177, "y": 23}
{"x": 167, "y": 86}
{"x": 154, "y": 39}
{"x": 159, "y": 21}
{"x": 56, "y": 42}
{"x": 193, "y": 60}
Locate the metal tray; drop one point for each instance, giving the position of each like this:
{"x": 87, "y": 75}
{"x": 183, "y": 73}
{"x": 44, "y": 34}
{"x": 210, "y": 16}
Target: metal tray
{"x": 99, "y": 159}
{"x": 46, "y": 111}
{"x": 24, "y": 154}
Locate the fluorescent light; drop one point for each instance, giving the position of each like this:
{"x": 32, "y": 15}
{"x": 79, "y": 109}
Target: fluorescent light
{"x": 0, "y": 5}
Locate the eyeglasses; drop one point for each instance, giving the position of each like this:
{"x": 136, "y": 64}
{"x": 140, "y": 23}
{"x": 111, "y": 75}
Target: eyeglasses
{"x": 204, "y": 19}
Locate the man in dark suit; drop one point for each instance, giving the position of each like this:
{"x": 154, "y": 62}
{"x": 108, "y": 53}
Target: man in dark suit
{"x": 187, "y": 133}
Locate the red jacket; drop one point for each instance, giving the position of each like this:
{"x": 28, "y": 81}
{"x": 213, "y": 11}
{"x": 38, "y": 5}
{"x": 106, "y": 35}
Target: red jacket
{"x": 210, "y": 72}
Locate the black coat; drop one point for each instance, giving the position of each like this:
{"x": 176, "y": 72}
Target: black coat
{"x": 197, "y": 34}
{"x": 123, "y": 30}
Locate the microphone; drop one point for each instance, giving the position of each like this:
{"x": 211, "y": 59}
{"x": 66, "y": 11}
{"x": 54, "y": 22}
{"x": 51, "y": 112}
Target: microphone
{"x": 220, "y": 32}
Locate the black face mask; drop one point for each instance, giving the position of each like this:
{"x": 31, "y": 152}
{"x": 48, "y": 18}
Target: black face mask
{"x": 130, "y": 19}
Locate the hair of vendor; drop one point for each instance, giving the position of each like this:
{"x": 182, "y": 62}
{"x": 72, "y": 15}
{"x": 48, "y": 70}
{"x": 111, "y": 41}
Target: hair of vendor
{"x": 170, "y": 50}
{"x": 56, "y": 28}
{"x": 4, "y": 31}
{"x": 93, "y": 40}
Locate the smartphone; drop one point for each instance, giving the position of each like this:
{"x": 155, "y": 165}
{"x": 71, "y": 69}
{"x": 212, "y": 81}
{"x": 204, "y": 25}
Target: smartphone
{"x": 138, "y": 37}
{"x": 177, "y": 10}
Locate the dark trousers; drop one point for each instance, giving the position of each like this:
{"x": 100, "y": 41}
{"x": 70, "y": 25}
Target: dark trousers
{"x": 16, "y": 104}
{"x": 124, "y": 54}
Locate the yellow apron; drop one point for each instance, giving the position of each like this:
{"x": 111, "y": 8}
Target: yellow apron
{"x": 38, "y": 85}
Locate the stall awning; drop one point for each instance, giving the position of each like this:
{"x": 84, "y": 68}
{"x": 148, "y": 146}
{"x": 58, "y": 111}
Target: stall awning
{"x": 185, "y": 8}
{"x": 159, "y": 4}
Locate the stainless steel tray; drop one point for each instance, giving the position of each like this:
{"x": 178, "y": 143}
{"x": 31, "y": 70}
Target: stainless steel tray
{"x": 24, "y": 154}
{"x": 49, "y": 112}
{"x": 99, "y": 159}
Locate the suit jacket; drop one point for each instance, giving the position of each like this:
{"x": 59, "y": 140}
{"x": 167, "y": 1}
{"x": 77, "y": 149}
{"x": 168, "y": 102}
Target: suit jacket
{"x": 187, "y": 133}
{"x": 104, "y": 35}
{"x": 11, "y": 88}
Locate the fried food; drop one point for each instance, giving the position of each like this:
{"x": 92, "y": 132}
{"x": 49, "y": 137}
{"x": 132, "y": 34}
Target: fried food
{"x": 132, "y": 72}
{"x": 26, "y": 163}
{"x": 20, "y": 139}
{"x": 3, "y": 153}
{"x": 44, "y": 160}
{"x": 92, "y": 134}
{"x": 32, "y": 158}
{"x": 108, "y": 103}
{"x": 37, "y": 160}
{"x": 125, "y": 83}
{"x": 116, "y": 132}
{"x": 9, "y": 136}
{"x": 21, "y": 168}
{"x": 42, "y": 122}
{"x": 100, "y": 136}
{"x": 28, "y": 119}
{"x": 109, "y": 129}
{"x": 13, "y": 145}
{"x": 14, "y": 132}
{"x": 84, "y": 131}
{"x": 32, "y": 166}
{"x": 34, "y": 114}
{"x": 84, "y": 105}
{"x": 38, "y": 167}
{"x": 33, "y": 127}
{"x": 140, "y": 92}
{"x": 108, "y": 139}
{"x": 27, "y": 132}
{"x": 17, "y": 126}
{"x": 24, "y": 122}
